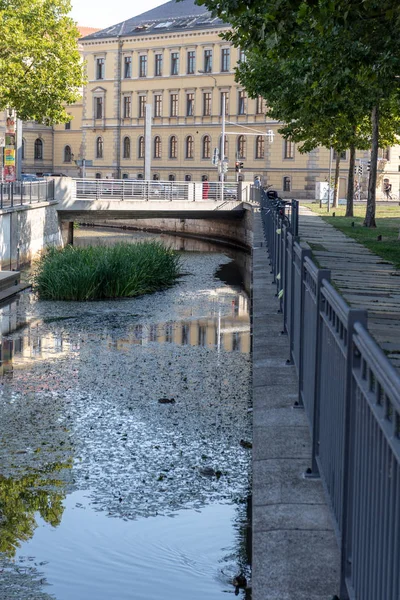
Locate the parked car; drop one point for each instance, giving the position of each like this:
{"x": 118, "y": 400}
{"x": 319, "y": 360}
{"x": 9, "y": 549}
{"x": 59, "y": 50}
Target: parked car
{"x": 30, "y": 177}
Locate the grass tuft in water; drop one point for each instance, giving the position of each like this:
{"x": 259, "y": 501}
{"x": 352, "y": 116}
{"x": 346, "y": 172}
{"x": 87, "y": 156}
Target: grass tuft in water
{"x": 99, "y": 272}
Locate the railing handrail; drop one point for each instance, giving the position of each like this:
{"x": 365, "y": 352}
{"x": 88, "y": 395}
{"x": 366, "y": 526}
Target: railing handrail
{"x": 338, "y": 342}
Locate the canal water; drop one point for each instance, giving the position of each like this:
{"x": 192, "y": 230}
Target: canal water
{"x": 123, "y": 472}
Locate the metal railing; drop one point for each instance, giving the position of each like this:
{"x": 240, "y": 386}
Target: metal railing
{"x": 22, "y": 193}
{"x": 140, "y": 189}
{"x": 351, "y": 395}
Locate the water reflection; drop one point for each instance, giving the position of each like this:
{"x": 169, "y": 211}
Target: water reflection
{"x": 22, "y": 499}
{"x": 142, "y": 517}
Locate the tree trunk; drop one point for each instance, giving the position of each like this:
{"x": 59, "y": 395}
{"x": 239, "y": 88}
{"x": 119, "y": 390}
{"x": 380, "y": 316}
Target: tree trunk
{"x": 350, "y": 186}
{"x": 335, "y": 202}
{"x": 369, "y": 220}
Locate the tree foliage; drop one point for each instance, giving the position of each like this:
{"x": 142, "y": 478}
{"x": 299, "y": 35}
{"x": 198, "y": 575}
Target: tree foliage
{"x": 324, "y": 67}
{"x": 40, "y": 66}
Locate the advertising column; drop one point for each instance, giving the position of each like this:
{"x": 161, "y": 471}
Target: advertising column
{"x": 9, "y": 150}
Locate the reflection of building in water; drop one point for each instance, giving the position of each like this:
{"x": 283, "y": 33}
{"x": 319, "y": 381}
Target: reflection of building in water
{"x": 226, "y": 332}
{"x": 30, "y": 343}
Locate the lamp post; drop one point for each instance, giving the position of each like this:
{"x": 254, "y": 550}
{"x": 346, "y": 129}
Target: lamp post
{"x": 222, "y": 153}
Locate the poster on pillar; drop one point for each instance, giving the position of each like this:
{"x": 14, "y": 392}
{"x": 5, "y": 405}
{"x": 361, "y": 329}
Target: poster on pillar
{"x": 9, "y": 150}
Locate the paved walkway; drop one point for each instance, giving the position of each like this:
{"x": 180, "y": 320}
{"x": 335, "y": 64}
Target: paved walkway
{"x": 364, "y": 279}
{"x": 295, "y": 552}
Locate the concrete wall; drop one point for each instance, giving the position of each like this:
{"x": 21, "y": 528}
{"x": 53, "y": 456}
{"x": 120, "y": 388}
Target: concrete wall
{"x": 26, "y": 231}
{"x": 238, "y": 231}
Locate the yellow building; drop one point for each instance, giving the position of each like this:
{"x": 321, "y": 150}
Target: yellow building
{"x": 173, "y": 58}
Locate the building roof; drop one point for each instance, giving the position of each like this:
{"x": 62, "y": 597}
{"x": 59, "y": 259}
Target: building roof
{"x": 171, "y": 16}
{"x": 85, "y": 31}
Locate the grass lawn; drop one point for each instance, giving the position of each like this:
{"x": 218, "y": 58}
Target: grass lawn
{"x": 388, "y": 226}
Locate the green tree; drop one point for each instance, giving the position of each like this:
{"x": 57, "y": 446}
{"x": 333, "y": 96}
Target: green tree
{"x": 40, "y": 66}
{"x": 340, "y": 55}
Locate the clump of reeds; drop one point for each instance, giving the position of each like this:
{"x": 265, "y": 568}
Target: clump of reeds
{"x": 99, "y": 272}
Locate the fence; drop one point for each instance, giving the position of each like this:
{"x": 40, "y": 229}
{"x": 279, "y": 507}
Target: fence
{"x": 140, "y": 189}
{"x": 351, "y": 395}
{"x": 22, "y": 193}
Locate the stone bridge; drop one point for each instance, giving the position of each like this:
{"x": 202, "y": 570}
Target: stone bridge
{"x": 205, "y": 209}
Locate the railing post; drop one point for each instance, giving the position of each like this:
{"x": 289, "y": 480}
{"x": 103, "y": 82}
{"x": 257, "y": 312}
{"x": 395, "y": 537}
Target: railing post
{"x": 355, "y": 316}
{"x": 322, "y": 275}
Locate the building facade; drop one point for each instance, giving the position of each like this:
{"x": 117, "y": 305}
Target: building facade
{"x": 174, "y": 58}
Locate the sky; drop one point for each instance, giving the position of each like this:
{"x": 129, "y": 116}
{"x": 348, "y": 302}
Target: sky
{"x": 107, "y": 13}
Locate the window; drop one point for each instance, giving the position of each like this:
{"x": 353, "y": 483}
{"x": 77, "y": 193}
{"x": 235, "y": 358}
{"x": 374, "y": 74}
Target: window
{"x": 68, "y": 125}
{"x": 98, "y": 108}
{"x": 171, "y": 177}
{"x": 188, "y": 178}
{"x": 174, "y": 63}
{"x": 173, "y": 147}
{"x": 67, "y": 154}
{"x": 127, "y": 147}
{"x": 143, "y": 65}
{"x": 342, "y": 155}
{"x": 142, "y": 106}
{"x": 174, "y": 105}
{"x": 158, "y": 65}
{"x": 286, "y": 184}
{"x": 225, "y": 98}
{"x": 157, "y": 147}
{"x": 206, "y": 153}
{"x": 208, "y": 61}
{"x": 191, "y": 60}
{"x": 38, "y": 149}
{"x": 288, "y": 149}
{"x": 242, "y": 103}
{"x": 384, "y": 154}
{"x": 98, "y": 176}
{"x": 260, "y": 147}
{"x": 127, "y": 67}
{"x": 127, "y": 107}
{"x": 242, "y": 56}
{"x": 99, "y": 147}
{"x": 189, "y": 105}
{"x": 225, "y": 56}
{"x": 207, "y": 104}
{"x": 189, "y": 146}
{"x": 141, "y": 147}
{"x": 156, "y": 177}
{"x": 157, "y": 105}
{"x": 241, "y": 146}
{"x": 125, "y": 175}
{"x": 100, "y": 68}
{"x": 260, "y": 109}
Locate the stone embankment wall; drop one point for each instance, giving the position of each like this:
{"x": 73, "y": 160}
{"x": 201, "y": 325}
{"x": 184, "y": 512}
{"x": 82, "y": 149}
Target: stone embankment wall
{"x": 26, "y": 231}
{"x": 238, "y": 232}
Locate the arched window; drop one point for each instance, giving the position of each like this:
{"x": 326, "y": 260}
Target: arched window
{"x": 67, "y": 154}
{"x": 157, "y": 147}
{"x": 141, "y": 147}
{"x": 189, "y": 147}
{"x": 99, "y": 147}
{"x": 287, "y": 184}
{"x": 241, "y": 147}
{"x": 171, "y": 177}
{"x": 23, "y": 149}
{"x": 173, "y": 147}
{"x": 127, "y": 147}
{"x": 98, "y": 176}
{"x": 188, "y": 178}
{"x": 38, "y": 151}
{"x": 260, "y": 148}
{"x": 206, "y": 147}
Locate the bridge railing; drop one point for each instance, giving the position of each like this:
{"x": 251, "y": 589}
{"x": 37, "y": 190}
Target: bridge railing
{"x": 351, "y": 395}
{"x": 142, "y": 190}
{"x": 22, "y": 193}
